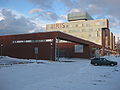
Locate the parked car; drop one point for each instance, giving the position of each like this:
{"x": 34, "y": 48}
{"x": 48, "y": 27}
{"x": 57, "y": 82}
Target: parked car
{"x": 102, "y": 61}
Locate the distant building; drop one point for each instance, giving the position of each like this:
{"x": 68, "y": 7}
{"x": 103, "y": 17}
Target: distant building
{"x": 83, "y": 26}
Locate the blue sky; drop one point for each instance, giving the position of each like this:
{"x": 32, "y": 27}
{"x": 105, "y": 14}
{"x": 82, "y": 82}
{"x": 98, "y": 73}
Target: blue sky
{"x": 36, "y": 13}
{"x": 21, "y": 6}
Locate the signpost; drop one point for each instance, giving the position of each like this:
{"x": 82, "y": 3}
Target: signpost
{"x": 1, "y": 50}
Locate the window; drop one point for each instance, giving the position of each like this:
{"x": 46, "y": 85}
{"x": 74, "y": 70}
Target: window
{"x": 83, "y": 30}
{"x": 78, "y": 48}
{"x": 32, "y": 41}
{"x": 82, "y": 25}
{"x": 97, "y": 33}
{"x": 76, "y": 25}
{"x": 87, "y": 25}
{"x": 67, "y": 26}
{"x": 90, "y": 29}
{"x": 90, "y": 35}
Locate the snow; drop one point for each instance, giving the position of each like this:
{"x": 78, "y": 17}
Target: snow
{"x": 68, "y": 74}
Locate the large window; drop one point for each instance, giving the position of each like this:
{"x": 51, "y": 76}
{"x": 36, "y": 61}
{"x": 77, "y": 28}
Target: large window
{"x": 78, "y": 48}
{"x": 32, "y": 41}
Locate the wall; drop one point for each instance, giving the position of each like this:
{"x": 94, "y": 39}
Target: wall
{"x": 68, "y": 50}
{"x": 27, "y": 50}
{"x": 88, "y": 30}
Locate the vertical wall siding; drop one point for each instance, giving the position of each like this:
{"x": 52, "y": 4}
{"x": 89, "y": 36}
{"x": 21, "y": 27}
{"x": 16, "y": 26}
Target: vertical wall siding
{"x": 27, "y": 50}
{"x": 68, "y": 50}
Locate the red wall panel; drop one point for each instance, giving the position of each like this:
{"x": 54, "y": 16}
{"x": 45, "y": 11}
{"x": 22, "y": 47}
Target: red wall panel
{"x": 68, "y": 50}
{"x": 27, "y": 50}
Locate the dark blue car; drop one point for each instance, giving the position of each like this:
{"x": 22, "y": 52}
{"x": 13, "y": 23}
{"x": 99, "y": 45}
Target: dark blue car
{"x": 102, "y": 61}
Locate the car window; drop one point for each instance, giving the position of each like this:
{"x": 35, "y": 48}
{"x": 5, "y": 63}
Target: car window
{"x": 101, "y": 59}
{"x": 104, "y": 59}
{"x": 96, "y": 59}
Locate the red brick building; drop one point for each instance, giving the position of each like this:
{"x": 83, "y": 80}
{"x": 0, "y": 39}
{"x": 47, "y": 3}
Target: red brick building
{"x": 46, "y": 46}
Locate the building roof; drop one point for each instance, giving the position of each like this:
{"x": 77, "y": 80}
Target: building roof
{"x": 46, "y": 35}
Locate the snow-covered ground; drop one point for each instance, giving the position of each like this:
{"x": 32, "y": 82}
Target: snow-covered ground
{"x": 78, "y": 74}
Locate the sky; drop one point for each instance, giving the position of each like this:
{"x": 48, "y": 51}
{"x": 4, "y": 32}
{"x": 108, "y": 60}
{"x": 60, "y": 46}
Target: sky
{"x": 28, "y": 16}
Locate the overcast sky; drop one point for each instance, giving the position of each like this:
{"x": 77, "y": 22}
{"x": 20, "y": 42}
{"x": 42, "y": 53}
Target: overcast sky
{"x": 26, "y": 16}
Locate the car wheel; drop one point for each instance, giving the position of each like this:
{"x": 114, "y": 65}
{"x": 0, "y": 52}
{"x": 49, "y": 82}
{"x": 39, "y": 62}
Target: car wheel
{"x": 112, "y": 64}
{"x": 96, "y": 64}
